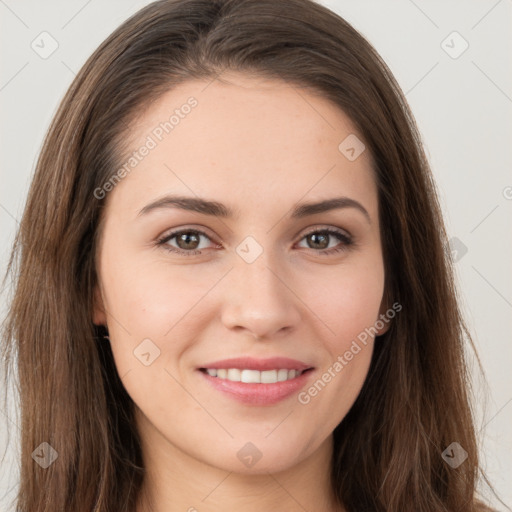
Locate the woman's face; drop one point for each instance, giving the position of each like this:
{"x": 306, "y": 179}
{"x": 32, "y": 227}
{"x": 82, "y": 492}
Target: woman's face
{"x": 255, "y": 275}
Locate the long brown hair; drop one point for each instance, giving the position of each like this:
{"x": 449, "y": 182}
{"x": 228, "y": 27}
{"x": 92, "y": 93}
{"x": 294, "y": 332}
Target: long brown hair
{"x": 388, "y": 449}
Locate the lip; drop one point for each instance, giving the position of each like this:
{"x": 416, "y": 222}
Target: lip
{"x": 250, "y": 363}
{"x": 258, "y": 394}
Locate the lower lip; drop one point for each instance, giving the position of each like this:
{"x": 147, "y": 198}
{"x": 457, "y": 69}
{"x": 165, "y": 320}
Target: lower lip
{"x": 259, "y": 394}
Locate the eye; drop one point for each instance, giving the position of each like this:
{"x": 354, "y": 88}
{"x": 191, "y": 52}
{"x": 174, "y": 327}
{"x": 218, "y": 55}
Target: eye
{"x": 187, "y": 242}
{"x": 321, "y": 239}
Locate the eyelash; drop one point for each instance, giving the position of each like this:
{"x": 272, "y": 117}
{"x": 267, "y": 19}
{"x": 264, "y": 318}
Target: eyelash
{"x": 345, "y": 239}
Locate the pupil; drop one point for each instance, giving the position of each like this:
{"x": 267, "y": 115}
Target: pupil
{"x": 186, "y": 238}
{"x": 316, "y": 236}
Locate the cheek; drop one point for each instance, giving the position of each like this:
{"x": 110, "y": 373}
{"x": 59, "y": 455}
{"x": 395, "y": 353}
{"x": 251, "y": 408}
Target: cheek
{"x": 146, "y": 288}
{"x": 348, "y": 304}
{"x": 347, "y": 301}
{"x": 148, "y": 300}
{"x": 337, "y": 386}
{"x": 350, "y": 311}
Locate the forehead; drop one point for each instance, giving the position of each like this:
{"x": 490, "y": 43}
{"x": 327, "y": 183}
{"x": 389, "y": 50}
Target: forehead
{"x": 242, "y": 139}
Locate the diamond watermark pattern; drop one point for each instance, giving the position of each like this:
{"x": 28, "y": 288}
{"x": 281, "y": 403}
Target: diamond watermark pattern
{"x": 457, "y": 249}
{"x": 45, "y": 455}
{"x": 44, "y": 45}
{"x": 146, "y": 352}
{"x": 454, "y": 45}
{"x": 249, "y": 249}
{"x": 351, "y": 147}
{"x": 249, "y": 454}
{"x": 454, "y": 455}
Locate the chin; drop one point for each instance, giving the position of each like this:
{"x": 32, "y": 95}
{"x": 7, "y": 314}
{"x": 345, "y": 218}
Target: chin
{"x": 261, "y": 457}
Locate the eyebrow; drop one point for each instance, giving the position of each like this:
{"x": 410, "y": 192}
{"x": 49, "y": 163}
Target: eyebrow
{"x": 217, "y": 209}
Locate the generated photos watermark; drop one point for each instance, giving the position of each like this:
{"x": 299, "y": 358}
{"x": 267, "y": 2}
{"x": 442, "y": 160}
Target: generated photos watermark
{"x": 152, "y": 140}
{"x": 304, "y": 397}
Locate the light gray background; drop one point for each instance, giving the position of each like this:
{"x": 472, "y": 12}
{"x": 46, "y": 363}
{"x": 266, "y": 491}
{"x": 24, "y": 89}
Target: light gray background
{"x": 463, "y": 107}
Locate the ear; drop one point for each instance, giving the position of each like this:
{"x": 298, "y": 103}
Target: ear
{"x": 99, "y": 317}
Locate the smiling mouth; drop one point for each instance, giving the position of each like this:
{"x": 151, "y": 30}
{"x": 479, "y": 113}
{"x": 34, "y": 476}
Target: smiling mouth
{"x": 254, "y": 376}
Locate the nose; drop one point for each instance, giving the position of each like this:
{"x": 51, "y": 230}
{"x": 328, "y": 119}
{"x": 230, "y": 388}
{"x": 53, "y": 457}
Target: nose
{"x": 258, "y": 298}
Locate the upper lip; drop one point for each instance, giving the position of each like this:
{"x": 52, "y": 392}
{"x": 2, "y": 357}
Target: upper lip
{"x": 250, "y": 363}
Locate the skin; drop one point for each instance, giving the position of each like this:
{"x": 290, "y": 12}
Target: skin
{"x": 259, "y": 146}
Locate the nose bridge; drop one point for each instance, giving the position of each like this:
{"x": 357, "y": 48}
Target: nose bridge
{"x": 257, "y": 278}
{"x": 258, "y": 298}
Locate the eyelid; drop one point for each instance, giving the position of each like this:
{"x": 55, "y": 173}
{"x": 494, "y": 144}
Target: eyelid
{"x": 175, "y": 231}
{"x": 325, "y": 227}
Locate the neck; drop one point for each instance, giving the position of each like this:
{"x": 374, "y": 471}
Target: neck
{"x": 175, "y": 481}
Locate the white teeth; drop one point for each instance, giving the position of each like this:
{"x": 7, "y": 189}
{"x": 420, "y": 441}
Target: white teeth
{"x": 282, "y": 375}
{"x": 234, "y": 374}
{"x": 253, "y": 376}
{"x": 269, "y": 376}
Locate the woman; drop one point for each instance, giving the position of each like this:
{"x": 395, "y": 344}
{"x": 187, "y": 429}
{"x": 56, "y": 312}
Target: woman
{"x": 233, "y": 288}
